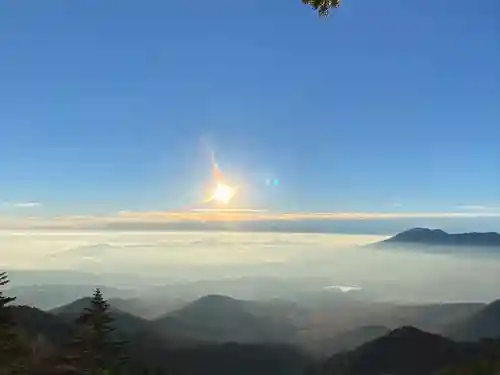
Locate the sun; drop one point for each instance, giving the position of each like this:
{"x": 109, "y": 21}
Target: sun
{"x": 223, "y": 193}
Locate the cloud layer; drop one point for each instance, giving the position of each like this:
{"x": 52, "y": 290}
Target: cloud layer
{"x": 217, "y": 255}
{"x": 223, "y": 219}
{"x": 157, "y": 251}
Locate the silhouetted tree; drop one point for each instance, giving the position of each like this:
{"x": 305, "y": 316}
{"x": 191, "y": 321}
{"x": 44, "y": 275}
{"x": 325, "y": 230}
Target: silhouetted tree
{"x": 94, "y": 351}
{"x": 13, "y": 355}
{"x": 323, "y": 7}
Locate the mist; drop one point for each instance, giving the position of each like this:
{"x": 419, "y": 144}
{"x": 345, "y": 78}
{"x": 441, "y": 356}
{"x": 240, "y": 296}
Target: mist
{"x": 345, "y": 261}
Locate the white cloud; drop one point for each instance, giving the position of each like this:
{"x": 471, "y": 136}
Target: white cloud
{"x": 27, "y": 204}
{"x": 476, "y": 207}
{"x": 343, "y": 288}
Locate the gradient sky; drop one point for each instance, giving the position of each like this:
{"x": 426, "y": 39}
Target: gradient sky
{"x": 386, "y": 106}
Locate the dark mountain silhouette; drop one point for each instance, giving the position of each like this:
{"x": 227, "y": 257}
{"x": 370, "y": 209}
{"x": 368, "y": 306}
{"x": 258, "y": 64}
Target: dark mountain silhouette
{"x": 405, "y": 351}
{"x": 36, "y": 323}
{"x": 241, "y": 359}
{"x": 425, "y": 236}
{"x": 343, "y": 341}
{"x": 124, "y": 322}
{"x": 49, "y": 296}
{"x": 483, "y": 324}
{"x": 143, "y": 343}
{"x": 486, "y": 362}
{"x": 217, "y": 318}
{"x": 193, "y": 341}
{"x": 149, "y": 308}
{"x": 75, "y": 307}
{"x": 146, "y": 349}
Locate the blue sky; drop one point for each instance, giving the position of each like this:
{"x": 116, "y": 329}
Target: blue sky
{"x": 112, "y": 105}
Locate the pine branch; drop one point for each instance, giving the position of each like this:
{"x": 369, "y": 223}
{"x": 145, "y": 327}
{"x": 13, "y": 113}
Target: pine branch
{"x": 323, "y": 7}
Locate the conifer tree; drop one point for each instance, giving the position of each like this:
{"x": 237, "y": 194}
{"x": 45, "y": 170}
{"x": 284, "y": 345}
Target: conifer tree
{"x": 12, "y": 353}
{"x": 323, "y": 7}
{"x": 94, "y": 350}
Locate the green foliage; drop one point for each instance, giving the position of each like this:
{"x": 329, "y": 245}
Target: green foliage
{"x": 12, "y": 352}
{"x": 323, "y": 7}
{"x": 93, "y": 351}
{"x": 7, "y": 323}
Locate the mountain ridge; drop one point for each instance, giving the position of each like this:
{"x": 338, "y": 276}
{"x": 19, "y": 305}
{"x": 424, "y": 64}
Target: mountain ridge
{"x": 216, "y": 328}
{"x": 438, "y": 237}
{"x": 218, "y": 318}
{"x": 403, "y": 351}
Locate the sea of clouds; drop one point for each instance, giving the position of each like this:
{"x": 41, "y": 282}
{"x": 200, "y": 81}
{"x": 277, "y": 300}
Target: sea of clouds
{"x": 211, "y": 255}
{"x": 138, "y": 251}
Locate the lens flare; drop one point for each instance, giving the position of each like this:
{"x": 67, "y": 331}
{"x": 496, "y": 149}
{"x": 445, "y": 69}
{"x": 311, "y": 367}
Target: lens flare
{"x": 222, "y": 193}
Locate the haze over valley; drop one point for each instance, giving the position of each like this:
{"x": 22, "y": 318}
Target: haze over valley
{"x": 244, "y": 265}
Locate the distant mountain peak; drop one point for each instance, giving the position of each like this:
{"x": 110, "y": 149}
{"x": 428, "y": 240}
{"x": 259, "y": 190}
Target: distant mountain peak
{"x": 216, "y": 297}
{"x": 216, "y": 300}
{"x": 424, "y": 230}
{"x": 210, "y": 306}
{"x": 406, "y": 350}
{"x": 426, "y": 236}
{"x": 408, "y": 331}
{"x": 74, "y": 307}
{"x": 219, "y": 318}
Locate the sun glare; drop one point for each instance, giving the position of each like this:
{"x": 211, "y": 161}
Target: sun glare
{"x": 223, "y": 193}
